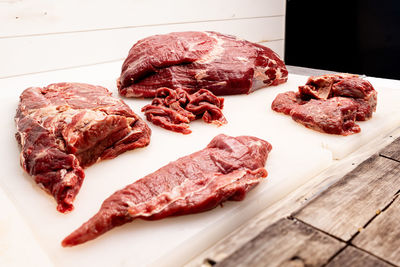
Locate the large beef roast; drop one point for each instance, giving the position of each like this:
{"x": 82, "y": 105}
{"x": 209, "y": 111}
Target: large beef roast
{"x": 223, "y": 64}
{"x": 225, "y": 170}
{"x": 65, "y": 127}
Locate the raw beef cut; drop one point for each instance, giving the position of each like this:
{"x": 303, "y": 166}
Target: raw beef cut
{"x": 223, "y": 64}
{"x": 65, "y": 127}
{"x": 225, "y": 170}
{"x": 336, "y": 115}
{"x": 174, "y": 109}
{"x": 345, "y": 85}
{"x": 287, "y": 101}
{"x": 330, "y": 103}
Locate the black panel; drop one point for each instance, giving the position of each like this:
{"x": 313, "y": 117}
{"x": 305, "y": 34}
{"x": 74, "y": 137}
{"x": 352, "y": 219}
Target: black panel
{"x": 356, "y": 36}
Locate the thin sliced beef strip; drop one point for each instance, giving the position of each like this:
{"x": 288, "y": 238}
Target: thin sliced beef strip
{"x": 225, "y": 170}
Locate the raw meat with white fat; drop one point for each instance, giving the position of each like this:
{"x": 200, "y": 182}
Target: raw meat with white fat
{"x": 65, "y": 127}
{"x": 336, "y": 115}
{"x": 346, "y": 85}
{"x": 330, "y": 103}
{"x": 225, "y": 170}
{"x": 174, "y": 109}
{"x": 222, "y": 64}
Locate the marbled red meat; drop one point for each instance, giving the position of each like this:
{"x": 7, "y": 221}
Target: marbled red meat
{"x": 345, "y": 85}
{"x": 335, "y": 115}
{"x": 287, "y": 101}
{"x": 225, "y": 170}
{"x": 174, "y": 109}
{"x": 222, "y": 64}
{"x": 65, "y": 127}
{"x": 330, "y": 103}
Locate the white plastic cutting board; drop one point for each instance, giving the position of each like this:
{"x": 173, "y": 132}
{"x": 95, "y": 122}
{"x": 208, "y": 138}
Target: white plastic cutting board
{"x": 18, "y": 246}
{"x": 298, "y": 154}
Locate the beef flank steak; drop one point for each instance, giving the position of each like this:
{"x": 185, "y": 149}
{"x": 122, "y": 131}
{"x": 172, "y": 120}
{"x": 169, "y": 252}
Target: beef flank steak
{"x": 225, "y": 170}
{"x": 65, "y": 127}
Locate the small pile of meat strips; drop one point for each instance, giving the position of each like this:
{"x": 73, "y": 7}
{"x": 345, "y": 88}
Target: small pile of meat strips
{"x": 198, "y": 66}
{"x": 330, "y": 103}
{"x": 174, "y": 109}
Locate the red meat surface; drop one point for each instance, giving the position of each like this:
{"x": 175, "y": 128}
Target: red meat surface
{"x": 336, "y": 115}
{"x": 222, "y": 64}
{"x": 225, "y": 170}
{"x": 330, "y": 103}
{"x": 65, "y": 127}
{"x": 174, "y": 109}
{"x": 285, "y": 102}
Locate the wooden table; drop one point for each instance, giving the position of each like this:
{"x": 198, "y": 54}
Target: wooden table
{"x": 347, "y": 216}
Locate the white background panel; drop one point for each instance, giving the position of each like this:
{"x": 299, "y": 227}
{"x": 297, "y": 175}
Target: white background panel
{"x": 26, "y": 17}
{"x": 33, "y": 54}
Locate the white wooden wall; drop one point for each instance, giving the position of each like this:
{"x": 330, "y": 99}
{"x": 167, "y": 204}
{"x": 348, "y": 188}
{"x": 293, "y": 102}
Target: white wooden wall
{"x": 43, "y": 35}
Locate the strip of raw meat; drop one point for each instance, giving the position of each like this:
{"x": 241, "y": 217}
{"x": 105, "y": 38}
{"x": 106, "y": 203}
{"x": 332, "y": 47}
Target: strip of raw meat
{"x": 65, "y": 127}
{"x": 225, "y": 170}
{"x": 222, "y": 64}
{"x": 336, "y": 115}
{"x": 339, "y": 99}
{"x": 174, "y": 109}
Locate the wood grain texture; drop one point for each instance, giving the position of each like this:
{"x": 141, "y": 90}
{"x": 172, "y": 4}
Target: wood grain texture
{"x": 354, "y": 257}
{"x": 285, "y": 243}
{"x": 392, "y": 151}
{"x": 382, "y": 236}
{"x": 348, "y": 205}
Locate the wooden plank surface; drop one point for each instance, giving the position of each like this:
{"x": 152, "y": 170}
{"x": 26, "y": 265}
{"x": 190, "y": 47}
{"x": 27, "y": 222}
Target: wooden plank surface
{"x": 347, "y": 206}
{"x": 286, "y": 243}
{"x": 354, "y": 257}
{"x": 382, "y": 235}
{"x": 392, "y": 151}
